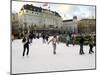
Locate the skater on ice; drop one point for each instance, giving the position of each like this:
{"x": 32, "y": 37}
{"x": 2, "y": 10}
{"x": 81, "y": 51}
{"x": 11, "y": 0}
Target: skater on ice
{"x": 73, "y": 39}
{"x": 37, "y": 35}
{"x": 54, "y": 41}
{"x": 30, "y": 37}
{"x": 91, "y": 45}
{"x": 44, "y": 37}
{"x": 47, "y": 37}
{"x": 26, "y": 43}
{"x": 67, "y": 40}
{"x": 81, "y": 45}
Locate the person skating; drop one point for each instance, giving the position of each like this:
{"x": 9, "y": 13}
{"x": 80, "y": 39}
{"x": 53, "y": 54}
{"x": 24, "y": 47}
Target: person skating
{"x": 81, "y": 45}
{"x": 91, "y": 45}
{"x": 67, "y": 40}
{"x": 25, "y": 44}
{"x": 38, "y": 36}
{"x": 30, "y": 37}
{"x": 54, "y": 40}
{"x": 47, "y": 37}
{"x": 73, "y": 39}
{"x": 44, "y": 37}
{"x": 34, "y": 35}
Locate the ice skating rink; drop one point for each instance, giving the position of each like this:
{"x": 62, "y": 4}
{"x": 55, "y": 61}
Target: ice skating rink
{"x": 41, "y": 58}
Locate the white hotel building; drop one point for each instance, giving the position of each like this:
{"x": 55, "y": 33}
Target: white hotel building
{"x": 31, "y": 15}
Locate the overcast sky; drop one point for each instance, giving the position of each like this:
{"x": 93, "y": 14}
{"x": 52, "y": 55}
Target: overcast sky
{"x": 65, "y": 10}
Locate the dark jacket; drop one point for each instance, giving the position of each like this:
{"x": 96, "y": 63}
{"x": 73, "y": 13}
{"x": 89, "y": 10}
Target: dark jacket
{"x": 81, "y": 40}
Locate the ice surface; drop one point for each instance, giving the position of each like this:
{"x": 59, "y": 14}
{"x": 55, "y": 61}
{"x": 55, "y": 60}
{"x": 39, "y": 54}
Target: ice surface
{"x": 41, "y": 58}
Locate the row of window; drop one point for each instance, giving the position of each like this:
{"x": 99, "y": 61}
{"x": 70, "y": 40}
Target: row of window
{"x": 36, "y": 13}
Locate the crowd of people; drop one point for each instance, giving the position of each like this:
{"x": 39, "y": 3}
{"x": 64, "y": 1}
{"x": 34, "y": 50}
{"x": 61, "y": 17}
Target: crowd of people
{"x": 29, "y": 36}
{"x": 91, "y": 42}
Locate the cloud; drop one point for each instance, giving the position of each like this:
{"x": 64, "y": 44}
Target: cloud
{"x": 65, "y": 8}
{"x": 17, "y": 5}
{"x": 66, "y": 11}
{"x": 85, "y": 11}
{"x": 77, "y": 10}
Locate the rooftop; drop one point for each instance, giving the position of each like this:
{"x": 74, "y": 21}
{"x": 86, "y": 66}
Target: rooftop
{"x": 38, "y": 9}
{"x": 68, "y": 20}
{"x": 88, "y": 20}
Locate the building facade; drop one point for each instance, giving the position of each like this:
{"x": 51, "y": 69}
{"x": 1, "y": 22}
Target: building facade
{"x": 70, "y": 25}
{"x": 15, "y": 22}
{"x": 87, "y": 26}
{"x": 30, "y": 15}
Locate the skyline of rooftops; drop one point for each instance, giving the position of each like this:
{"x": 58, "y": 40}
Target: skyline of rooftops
{"x": 37, "y": 9}
{"x": 66, "y": 11}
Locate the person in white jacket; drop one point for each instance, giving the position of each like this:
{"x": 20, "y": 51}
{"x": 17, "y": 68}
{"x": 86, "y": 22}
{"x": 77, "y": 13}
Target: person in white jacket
{"x": 54, "y": 40}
